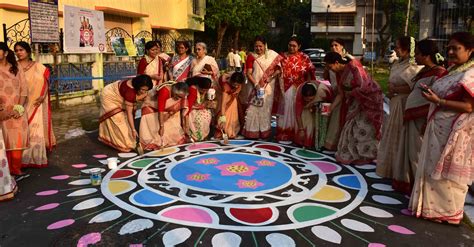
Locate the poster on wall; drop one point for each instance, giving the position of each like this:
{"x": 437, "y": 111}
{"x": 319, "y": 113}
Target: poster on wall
{"x": 44, "y": 27}
{"x": 118, "y": 45}
{"x": 84, "y": 30}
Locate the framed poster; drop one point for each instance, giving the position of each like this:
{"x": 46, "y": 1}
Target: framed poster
{"x": 84, "y": 30}
{"x": 44, "y": 27}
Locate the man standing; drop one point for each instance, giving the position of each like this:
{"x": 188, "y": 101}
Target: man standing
{"x": 237, "y": 62}
{"x": 230, "y": 60}
{"x": 243, "y": 57}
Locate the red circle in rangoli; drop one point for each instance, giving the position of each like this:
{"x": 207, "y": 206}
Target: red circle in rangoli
{"x": 125, "y": 173}
{"x": 252, "y": 216}
{"x": 269, "y": 147}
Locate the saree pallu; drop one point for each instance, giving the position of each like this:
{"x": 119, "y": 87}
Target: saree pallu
{"x": 198, "y": 66}
{"x": 258, "y": 119}
{"x": 199, "y": 123}
{"x": 361, "y": 116}
{"x": 173, "y": 132}
{"x": 180, "y": 69}
{"x": 149, "y": 124}
{"x": 41, "y": 134}
{"x": 416, "y": 111}
{"x": 230, "y": 103}
{"x": 8, "y": 186}
{"x": 445, "y": 164}
{"x": 114, "y": 129}
{"x": 295, "y": 71}
{"x": 401, "y": 74}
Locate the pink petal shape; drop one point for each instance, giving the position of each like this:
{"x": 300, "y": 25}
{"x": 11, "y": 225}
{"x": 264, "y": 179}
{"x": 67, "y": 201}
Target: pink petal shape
{"x": 47, "y": 192}
{"x": 135, "y": 245}
{"x": 60, "y": 177}
{"x": 91, "y": 238}
{"x": 99, "y": 156}
{"x": 79, "y": 166}
{"x": 407, "y": 212}
{"x": 400, "y": 229}
{"x": 61, "y": 224}
{"x": 47, "y": 207}
{"x": 376, "y": 245}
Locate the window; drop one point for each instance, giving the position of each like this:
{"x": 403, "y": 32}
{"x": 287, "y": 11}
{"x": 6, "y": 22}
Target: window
{"x": 196, "y": 7}
{"x": 333, "y": 19}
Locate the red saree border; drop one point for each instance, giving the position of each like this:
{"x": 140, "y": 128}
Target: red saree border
{"x": 109, "y": 114}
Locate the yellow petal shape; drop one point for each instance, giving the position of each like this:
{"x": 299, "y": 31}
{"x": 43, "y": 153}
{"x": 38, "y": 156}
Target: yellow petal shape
{"x": 330, "y": 193}
{"x": 117, "y": 187}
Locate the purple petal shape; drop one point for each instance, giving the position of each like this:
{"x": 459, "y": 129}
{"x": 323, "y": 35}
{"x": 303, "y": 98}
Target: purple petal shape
{"x": 376, "y": 245}
{"x": 79, "y": 166}
{"x": 60, "y": 224}
{"x": 47, "y": 207}
{"x": 91, "y": 238}
{"x": 47, "y": 192}
{"x": 400, "y": 229}
{"x": 60, "y": 177}
{"x": 407, "y": 212}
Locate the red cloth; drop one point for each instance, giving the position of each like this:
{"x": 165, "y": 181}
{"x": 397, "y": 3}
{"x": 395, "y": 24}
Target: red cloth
{"x": 192, "y": 97}
{"x": 163, "y": 95}
{"x": 127, "y": 92}
{"x": 142, "y": 66}
{"x": 249, "y": 62}
{"x": 367, "y": 93}
{"x": 14, "y": 161}
{"x": 296, "y": 68}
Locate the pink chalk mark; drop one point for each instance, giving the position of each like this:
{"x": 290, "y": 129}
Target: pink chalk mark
{"x": 189, "y": 214}
{"x": 376, "y": 245}
{"x": 407, "y": 212}
{"x": 135, "y": 245}
{"x": 60, "y": 224}
{"x": 47, "y": 193}
{"x": 91, "y": 238}
{"x": 325, "y": 167}
{"x": 60, "y": 177}
{"x": 99, "y": 156}
{"x": 201, "y": 146}
{"x": 400, "y": 229}
{"x": 79, "y": 166}
{"x": 47, "y": 207}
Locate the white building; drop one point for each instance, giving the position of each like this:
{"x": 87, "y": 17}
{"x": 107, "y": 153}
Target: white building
{"x": 349, "y": 20}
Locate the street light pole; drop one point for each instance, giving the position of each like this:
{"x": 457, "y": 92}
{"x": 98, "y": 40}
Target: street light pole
{"x": 327, "y": 21}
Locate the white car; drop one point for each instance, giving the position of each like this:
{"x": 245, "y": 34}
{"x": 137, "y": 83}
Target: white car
{"x": 390, "y": 57}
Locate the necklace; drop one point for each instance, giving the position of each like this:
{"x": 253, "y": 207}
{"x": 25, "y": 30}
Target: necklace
{"x": 465, "y": 66}
{"x": 30, "y": 64}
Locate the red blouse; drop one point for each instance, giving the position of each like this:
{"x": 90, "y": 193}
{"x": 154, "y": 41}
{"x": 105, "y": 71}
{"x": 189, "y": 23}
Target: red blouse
{"x": 127, "y": 92}
{"x": 163, "y": 95}
{"x": 142, "y": 66}
{"x": 249, "y": 62}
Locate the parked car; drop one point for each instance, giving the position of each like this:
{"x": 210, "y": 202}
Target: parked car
{"x": 311, "y": 50}
{"x": 317, "y": 57}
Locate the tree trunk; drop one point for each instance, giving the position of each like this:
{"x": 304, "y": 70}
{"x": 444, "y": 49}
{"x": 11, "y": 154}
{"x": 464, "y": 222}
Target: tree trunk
{"x": 220, "y": 36}
{"x": 236, "y": 39}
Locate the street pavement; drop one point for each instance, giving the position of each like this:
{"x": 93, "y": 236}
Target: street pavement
{"x": 22, "y": 225}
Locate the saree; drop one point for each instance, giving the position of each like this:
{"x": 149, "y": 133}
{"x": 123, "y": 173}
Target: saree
{"x": 445, "y": 164}
{"x": 309, "y": 114}
{"x": 113, "y": 125}
{"x": 401, "y": 74}
{"x": 334, "y": 127}
{"x": 229, "y": 107}
{"x": 171, "y": 108}
{"x": 149, "y": 123}
{"x": 361, "y": 116}
{"x": 41, "y": 134}
{"x": 258, "y": 119}
{"x": 15, "y": 131}
{"x": 8, "y": 186}
{"x": 414, "y": 122}
{"x": 180, "y": 68}
{"x": 199, "y": 116}
{"x": 198, "y": 65}
{"x": 295, "y": 71}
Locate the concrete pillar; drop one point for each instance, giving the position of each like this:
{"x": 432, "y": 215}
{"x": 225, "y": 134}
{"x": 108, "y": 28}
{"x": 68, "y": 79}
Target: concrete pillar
{"x": 98, "y": 71}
